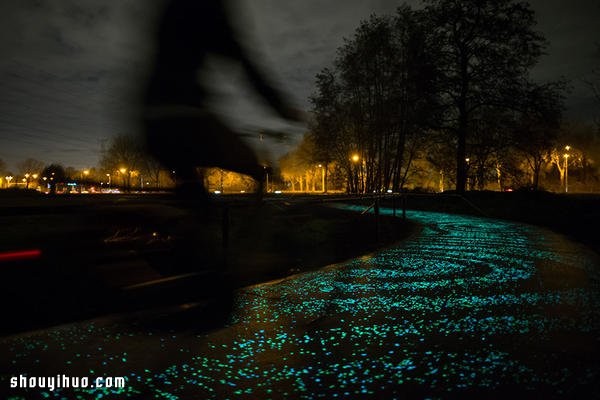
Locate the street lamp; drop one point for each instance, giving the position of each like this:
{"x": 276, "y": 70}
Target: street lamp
{"x": 355, "y": 158}
{"x": 566, "y": 155}
{"x": 123, "y": 177}
{"x": 322, "y": 177}
{"x": 267, "y": 177}
{"x": 467, "y": 167}
{"x": 8, "y": 179}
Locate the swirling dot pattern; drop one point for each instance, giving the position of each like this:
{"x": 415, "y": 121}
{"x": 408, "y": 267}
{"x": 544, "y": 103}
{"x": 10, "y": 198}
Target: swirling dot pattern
{"x": 466, "y": 307}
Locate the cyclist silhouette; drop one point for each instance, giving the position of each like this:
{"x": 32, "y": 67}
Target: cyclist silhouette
{"x": 180, "y": 131}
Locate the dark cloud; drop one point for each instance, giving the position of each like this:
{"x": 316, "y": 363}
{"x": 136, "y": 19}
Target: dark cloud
{"x": 70, "y": 69}
{"x": 87, "y": 15}
{"x": 572, "y": 30}
{"x": 67, "y": 75}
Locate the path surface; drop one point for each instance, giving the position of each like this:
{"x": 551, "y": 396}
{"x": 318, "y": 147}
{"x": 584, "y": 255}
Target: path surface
{"x": 467, "y": 307}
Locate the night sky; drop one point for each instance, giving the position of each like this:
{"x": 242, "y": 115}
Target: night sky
{"x": 70, "y": 69}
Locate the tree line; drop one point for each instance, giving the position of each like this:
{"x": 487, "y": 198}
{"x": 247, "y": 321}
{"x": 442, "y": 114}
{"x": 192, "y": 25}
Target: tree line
{"x": 124, "y": 163}
{"x": 447, "y": 85}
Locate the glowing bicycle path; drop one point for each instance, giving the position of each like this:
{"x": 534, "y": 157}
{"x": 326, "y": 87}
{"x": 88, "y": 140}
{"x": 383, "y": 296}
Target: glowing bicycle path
{"x": 466, "y": 307}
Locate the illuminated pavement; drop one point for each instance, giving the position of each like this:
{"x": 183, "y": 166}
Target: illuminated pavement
{"x": 468, "y": 307}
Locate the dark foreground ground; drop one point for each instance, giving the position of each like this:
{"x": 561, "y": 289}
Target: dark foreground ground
{"x": 113, "y": 253}
{"x": 466, "y": 307}
{"x": 104, "y": 254}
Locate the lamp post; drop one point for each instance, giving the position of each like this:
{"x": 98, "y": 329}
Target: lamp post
{"x": 267, "y": 178}
{"x": 8, "y": 179}
{"x": 566, "y": 155}
{"x": 124, "y": 180}
{"x": 467, "y": 167}
{"x": 322, "y": 177}
{"x": 355, "y": 159}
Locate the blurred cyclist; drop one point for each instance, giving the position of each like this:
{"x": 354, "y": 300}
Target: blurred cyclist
{"x": 180, "y": 131}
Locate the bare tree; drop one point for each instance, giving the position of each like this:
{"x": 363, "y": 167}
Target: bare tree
{"x": 537, "y": 126}
{"x": 488, "y": 47}
{"x": 54, "y": 175}
{"x": 152, "y": 168}
{"x": 375, "y": 100}
{"x": 3, "y": 172}
{"x": 28, "y": 168}
{"x": 577, "y": 145}
{"x": 299, "y": 165}
{"x": 125, "y": 156}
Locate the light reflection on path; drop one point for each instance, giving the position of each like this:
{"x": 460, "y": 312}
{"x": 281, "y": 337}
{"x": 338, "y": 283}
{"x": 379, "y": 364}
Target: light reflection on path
{"x": 468, "y": 306}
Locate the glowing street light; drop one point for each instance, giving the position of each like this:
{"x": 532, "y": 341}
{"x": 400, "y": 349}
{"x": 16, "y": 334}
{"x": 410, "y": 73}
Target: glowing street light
{"x": 358, "y": 176}
{"x": 8, "y": 179}
{"x": 322, "y": 177}
{"x": 566, "y": 156}
{"x": 124, "y": 181}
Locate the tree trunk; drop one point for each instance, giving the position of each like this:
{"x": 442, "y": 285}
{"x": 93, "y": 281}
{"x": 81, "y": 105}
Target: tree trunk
{"x": 536, "y": 175}
{"x": 461, "y": 146}
{"x": 461, "y": 152}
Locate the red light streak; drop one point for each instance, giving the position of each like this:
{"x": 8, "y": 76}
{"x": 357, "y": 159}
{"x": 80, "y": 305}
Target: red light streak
{"x": 20, "y": 255}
